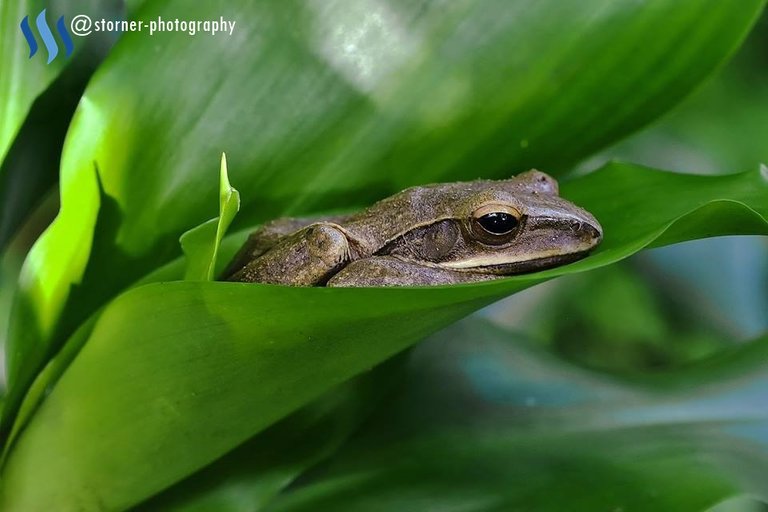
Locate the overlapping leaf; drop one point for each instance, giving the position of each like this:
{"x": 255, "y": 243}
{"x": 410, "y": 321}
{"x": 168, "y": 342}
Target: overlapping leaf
{"x": 327, "y": 105}
{"x": 178, "y": 373}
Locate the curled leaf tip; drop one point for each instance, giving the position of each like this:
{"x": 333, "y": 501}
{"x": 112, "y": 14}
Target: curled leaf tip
{"x": 223, "y": 171}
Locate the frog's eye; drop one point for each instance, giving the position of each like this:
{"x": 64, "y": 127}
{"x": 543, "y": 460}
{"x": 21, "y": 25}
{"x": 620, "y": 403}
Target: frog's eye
{"x": 495, "y": 225}
{"x": 498, "y": 223}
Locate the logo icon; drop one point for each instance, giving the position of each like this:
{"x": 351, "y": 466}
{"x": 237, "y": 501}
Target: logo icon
{"x": 47, "y": 36}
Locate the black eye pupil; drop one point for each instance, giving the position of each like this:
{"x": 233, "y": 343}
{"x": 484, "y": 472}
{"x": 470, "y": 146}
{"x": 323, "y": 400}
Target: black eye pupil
{"x": 498, "y": 223}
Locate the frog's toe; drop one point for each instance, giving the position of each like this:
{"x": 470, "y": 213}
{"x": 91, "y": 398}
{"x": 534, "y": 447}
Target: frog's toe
{"x": 327, "y": 244}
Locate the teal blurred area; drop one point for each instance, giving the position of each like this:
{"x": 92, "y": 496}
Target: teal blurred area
{"x": 485, "y": 421}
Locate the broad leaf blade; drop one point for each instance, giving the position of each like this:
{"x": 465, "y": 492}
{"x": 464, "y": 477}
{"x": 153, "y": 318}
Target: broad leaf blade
{"x": 254, "y": 473}
{"x": 182, "y": 372}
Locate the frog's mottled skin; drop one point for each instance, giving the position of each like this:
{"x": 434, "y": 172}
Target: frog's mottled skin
{"x": 424, "y": 236}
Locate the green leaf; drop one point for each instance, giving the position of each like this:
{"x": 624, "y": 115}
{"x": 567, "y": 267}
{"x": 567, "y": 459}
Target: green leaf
{"x": 198, "y": 246}
{"x": 9, "y": 269}
{"x": 353, "y": 101}
{"x": 38, "y": 99}
{"x": 201, "y": 244}
{"x": 23, "y": 77}
{"x": 485, "y": 422}
{"x": 178, "y": 373}
{"x": 689, "y": 141}
{"x": 254, "y": 473}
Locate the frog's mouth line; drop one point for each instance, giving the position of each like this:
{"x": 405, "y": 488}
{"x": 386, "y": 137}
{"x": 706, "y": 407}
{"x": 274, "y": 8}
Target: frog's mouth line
{"x": 521, "y": 267}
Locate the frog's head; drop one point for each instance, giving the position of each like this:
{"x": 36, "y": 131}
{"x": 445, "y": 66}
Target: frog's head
{"x": 503, "y": 227}
{"x": 520, "y": 225}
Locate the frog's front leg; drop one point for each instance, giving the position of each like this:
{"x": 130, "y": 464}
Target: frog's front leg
{"x": 391, "y": 271}
{"x": 307, "y": 257}
{"x": 267, "y": 236}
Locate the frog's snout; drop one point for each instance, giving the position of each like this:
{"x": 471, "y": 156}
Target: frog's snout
{"x": 592, "y": 233}
{"x": 586, "y": 230}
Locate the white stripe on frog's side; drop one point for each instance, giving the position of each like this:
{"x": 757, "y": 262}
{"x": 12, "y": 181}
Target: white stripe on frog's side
{"x": 490, "y": 260}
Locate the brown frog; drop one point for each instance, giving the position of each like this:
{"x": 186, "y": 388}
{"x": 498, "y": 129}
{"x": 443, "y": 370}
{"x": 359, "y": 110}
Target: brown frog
{"x": 428, "y": 235}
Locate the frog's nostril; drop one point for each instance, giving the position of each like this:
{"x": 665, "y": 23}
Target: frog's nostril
{"x": 593, "y": 232}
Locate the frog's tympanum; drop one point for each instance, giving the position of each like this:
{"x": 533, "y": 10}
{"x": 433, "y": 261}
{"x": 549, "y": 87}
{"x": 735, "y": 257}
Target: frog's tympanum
{"x": 434, "y": 234}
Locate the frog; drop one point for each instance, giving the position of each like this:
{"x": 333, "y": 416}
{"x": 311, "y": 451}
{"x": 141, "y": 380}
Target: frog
{"x": 438, "y": 234}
